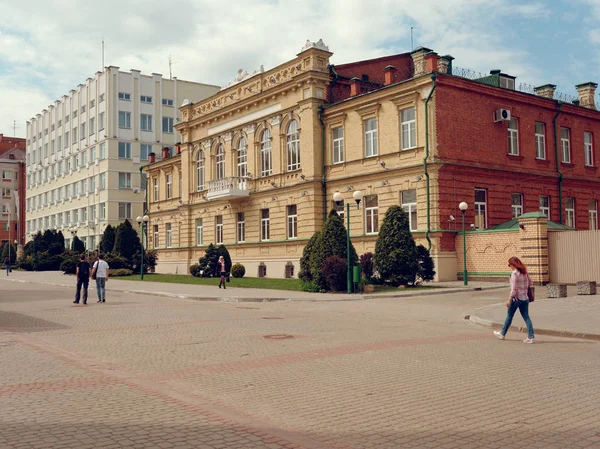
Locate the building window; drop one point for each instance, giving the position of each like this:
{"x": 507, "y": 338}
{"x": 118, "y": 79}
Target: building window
{"x": 265, "y": 153}
{"x": 124, "y": 180}
{"x": 122, "y": 96}
{"x": 241, "y": 227}
{"x": 219, "y": 229}
{"x": 167, "y": 102}
{"x": 92, "y": 126}
{"x": 167, "y": 124}
{"x": 593, "y": 211}
{"x": 408, "y": 128}
{"x": 84, "y": 186}
{"x": 371, "y": 214}
{"x": 409, "y": 204}
{"x": 6, "y": 175}
{"x": 82, "y": 133}
{"x": 102, "y": 211}
{"x": 145, "y": 150}
{"x": 265, "y": 225}
{"x": 102, "y": 151}
{"x": 75, "y": 213}
{"x": 220, "y": 162}
{"x": 293, "y": 146}
{"x": 124, "y": 120}
{"x": 289, "y": 270}
{"x": 124, "y": 211}
{"x": 517, "y": 205}
{"x": 199, "y": 231}
{"x": 200, "y": 172}
{"x": 101, "y": 121}
{"x": 75, "y": 162}
{"x": 92, "y": 184}
{"x": 242, "y": 159}
{"x": 92, "y": 213}
{"x": 370, "y": 137}
{"x": 565, "y": 144}
{"x": 92, "y": 103}
{"x": 292, "y": 222}
{"x": 480, "y": 208}
{"x": 102, "y": 181}
{"x": 84, "y": 214}
{"x": 101, "y": 98}
{"x": 146, "y": 122}
{"x": 338, "y": 144}
{"x": 84, "y": 158}
{"x": 168, "y": 235}
{"x": 169, "y": 186}
{"x": 124, "y": 150}
{"x": 155, "y": 185}
{"x": 513, "y": 137}
{"x": 589, "y": 148}
{"x": 540, "y": 140}
{"x": 262, "y": 270}
{"x": 545, "y": 205}
{"x": 58, "y": 143}
{"x": 155, "y": 236}
{"x": 145, "y": 99}
{"x": 570, "y": 212}
{"x": 67, "y": 139}
{"x": 74, "y": 113}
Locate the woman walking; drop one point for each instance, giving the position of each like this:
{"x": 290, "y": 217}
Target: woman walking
{"x": 222, "y": 271}
{"x": 520, "y": 281}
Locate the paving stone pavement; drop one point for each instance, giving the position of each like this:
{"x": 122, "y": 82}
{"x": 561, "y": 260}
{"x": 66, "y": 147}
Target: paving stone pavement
{"x": 145, "y": 371}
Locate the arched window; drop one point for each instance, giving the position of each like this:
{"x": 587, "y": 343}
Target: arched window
{"x": 200, "y": 172}
{"x": 265, "y": 153}
{"x": 242, "y": 158}
{"x": 293, "y": 146}
{"x": 220, "y": 162}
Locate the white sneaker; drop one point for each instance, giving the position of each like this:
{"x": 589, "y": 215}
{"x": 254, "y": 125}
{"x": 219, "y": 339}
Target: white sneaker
{"x": 499, "y": 335}
{"x": 528, "y": 340}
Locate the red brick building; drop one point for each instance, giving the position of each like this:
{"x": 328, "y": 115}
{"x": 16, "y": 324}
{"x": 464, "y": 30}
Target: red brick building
{"x": 12, "y": 195}
{"x": 8, "y": 143}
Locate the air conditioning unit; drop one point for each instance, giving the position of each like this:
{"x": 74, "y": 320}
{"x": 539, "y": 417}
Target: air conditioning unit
{"x": 78, "y": 196}
{"x": 136, "y": 160}
{"x": 96, "y": 162}
{"x": 96, "y": 191}
{"x": 501, "y": 115}
{"x": 136, "y": 190}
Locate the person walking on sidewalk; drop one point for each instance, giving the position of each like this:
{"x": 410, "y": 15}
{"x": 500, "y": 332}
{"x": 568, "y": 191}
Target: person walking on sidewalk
{"x": 100, "y": 273}
{"x": 83, "y": 279}
{"x": 520, "y": 281}
{"x": 222, "y": 271}
{"x": 7, "y": 265}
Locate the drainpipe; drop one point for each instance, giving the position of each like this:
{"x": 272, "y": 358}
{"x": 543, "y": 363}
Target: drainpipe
{"x": 560, "y": 175}
{"x": 323, "y": 182}
{"x": 434, "y": 79}
{"x": 145, "y": 208}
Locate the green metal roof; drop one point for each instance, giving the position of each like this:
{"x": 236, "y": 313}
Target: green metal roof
{"x": 514, "y": 224}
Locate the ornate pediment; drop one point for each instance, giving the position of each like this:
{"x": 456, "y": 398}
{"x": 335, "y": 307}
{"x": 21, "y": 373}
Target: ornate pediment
{"x": 320, "y": 45}
{"x": 243, "y": 76}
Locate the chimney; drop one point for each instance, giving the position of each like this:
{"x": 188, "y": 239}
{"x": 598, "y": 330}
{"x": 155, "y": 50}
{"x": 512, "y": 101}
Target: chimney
{"x": 354, "y": 87}
{"x": 389, "y": 75}
{"x": 152, "y": 157}
{"x": 445, "y": 64}
{"x": 418, "y": 57}
{"x": 431, "y": 62}
{"x": 166, "y": 153}
{"x": 178, "y": 146}
{"x": 546, "y": 91}
{"x": 586, "y": 92}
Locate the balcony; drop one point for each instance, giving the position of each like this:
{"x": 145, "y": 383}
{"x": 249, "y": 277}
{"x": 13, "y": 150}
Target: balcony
{"x": 228, "y": 188}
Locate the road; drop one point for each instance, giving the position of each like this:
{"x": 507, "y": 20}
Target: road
{"x": 144, "y": 371}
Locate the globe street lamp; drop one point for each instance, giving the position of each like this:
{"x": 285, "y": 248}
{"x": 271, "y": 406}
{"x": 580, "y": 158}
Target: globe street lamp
{"x": 463, "y": 208}
{"x": 143, "y": 223}
{"x": 338, "y": 198}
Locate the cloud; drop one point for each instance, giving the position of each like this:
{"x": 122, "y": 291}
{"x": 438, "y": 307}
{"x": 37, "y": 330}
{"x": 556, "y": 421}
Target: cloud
{"x": 47, "y": 52}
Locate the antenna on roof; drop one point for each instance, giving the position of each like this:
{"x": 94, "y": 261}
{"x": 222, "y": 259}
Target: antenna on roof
{"x": 170, "y": 68}
{"x": 412, "y": 47}
{"x": 15, "y": 128}
{"x": 102, "y": 53}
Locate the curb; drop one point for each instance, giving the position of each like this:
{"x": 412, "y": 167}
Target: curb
{"x": 441, "y": 291}
{"x": 523, "y": 330}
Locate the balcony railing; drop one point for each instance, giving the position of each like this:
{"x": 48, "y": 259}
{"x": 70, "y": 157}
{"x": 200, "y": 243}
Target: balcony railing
{"x": 228, "y": 188}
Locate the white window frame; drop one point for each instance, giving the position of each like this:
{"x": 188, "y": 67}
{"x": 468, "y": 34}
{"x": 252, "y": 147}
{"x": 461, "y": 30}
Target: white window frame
{"x": 124, "y": 180}
{"x": 101, "y": 121}
{"x": 220, "y": 162}
{"x": 371, "y": 149}
{"x": 155, "y": 237}
{"x": 565, "y": 145}
{"x": 167, "y": 125}
{"x": 156, "y": 186}
{"x": 167, "y": 102}
{"x": 127, "y": 211}
{"x": 337, "y": 138}
{"x": 102, "y": 211}
{"x": 123, "y": 96}
{"x": 409, "y": 205}
{"x": 408, "y": 128}
{"x": 242, "y": 159}
{"x": 124, "y": 150}
{"x": 265, "y": 225}
{"x": 169, "y": 182}
{"x": 540, "y": 141}
{"x": 570, "y": 212}
{"x": 292, "y": 221}
{"x": 516, "y": 207}
{"x": 145, "y": 150}
{"x": 102, "y": 151}
{"x": 513, "y": 136}
{"x": 124, "y": 119}
{"x": 145, "y": 122}
{"x": 219, "y": 229}
{"x": 266, "y": 161}
{"x": 200, "y": 173}
{"x": 145, "y": 99}
{"x": 92, "y": 129}
{"x": 544, "y": 202}
{"x": 371, "y": 215}
{"x": 593, "y": 214}
{"x": 199, "y": 232}
{"x": 168, "y": 235}
{"x": 82, "y": 134}
{"x": 481, "y": 209}
{"x": 293, "y": 146}
{"x": 241, "y": 227}
{"x": 588, "y": 148}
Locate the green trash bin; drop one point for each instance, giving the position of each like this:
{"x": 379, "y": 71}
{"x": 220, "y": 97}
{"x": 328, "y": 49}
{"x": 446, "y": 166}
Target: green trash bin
{"x": 356, "y": 274}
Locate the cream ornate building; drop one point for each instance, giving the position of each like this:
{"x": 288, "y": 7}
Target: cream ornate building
{"x": 260, "y": 161}
{"x": 85, "y": 151}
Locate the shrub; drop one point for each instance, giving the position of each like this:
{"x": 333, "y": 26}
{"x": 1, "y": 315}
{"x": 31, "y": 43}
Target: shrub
{"x": 335, "y": 272}
{"x": 238, "y": 270}
{"x": 9, "y": 248}
{"x": 107, "y": 243}
{"x": 311, "y": 287}
{"x": 208, "y": 263}
{"x": 117, "y": 262}
{"x": 305, "y": 273}
{"x": 120, "y": 272}
{"x": 195, "y": 270}
{"x": 27, "y": 263}
{"x": 366, "y": 265}
{"x": 426, "y": 266}
{"x": 150, "y": 259}
{"x": 68, "y": 266}
{"x": 47, "y": 262}
{"x": 77, "y": 245}
{"x": 395, "y": 251}
{"x": 127, "y": 241}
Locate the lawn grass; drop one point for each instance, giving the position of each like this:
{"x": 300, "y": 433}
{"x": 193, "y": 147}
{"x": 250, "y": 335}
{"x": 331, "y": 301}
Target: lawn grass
{"x": 268, "y": 283}
{"x": 390, "y": 289}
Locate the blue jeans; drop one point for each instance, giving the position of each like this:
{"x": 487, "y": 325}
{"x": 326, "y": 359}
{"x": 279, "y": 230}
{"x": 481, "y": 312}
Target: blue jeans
{"x": 101, "y": 288}
{"x": 523, "y": 307}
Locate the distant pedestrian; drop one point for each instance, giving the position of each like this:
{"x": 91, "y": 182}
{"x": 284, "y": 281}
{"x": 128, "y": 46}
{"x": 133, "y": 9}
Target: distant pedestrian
{"x": 7, "y": 264}
{"x": 83, "y": 279}
{"x": 100, "y": 273}
{"x": 221, "y": 271}
{"x": 520, "y": 282}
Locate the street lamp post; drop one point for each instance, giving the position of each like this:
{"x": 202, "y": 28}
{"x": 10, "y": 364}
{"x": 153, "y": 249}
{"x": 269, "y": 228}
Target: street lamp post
{"x": 463, "y": 208}
{"x": 143, "y": 223}
{"x": 338, "y": 198}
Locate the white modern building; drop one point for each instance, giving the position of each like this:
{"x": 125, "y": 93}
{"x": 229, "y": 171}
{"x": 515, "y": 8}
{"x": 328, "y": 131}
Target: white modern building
{"x": 85, "y": 151}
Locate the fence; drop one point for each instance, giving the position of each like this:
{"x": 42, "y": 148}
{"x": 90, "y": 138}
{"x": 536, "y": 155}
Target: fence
{"x": 574, "y": 256}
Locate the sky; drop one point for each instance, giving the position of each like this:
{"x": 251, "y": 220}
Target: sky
{"x": 48, "y": 47}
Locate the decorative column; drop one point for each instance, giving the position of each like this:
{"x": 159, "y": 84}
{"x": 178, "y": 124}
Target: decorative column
{"x": 533, "y": 236}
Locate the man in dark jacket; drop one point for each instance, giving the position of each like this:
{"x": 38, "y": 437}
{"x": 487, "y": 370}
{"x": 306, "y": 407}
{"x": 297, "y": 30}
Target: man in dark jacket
{"x": 83, "y": 279}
